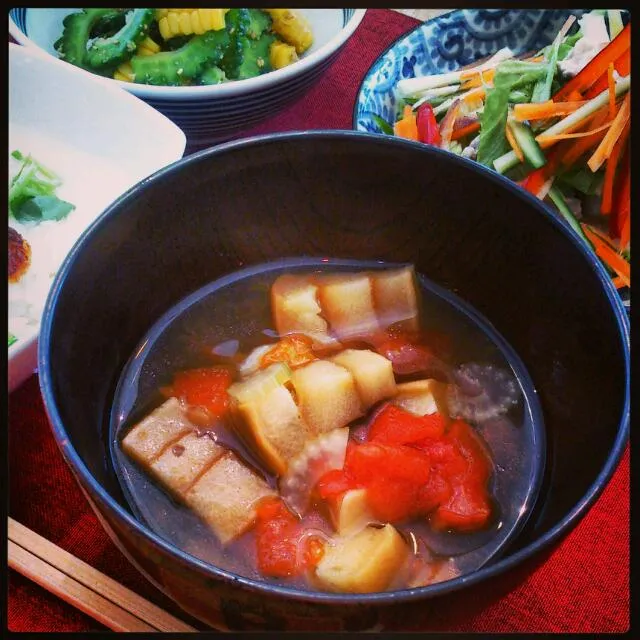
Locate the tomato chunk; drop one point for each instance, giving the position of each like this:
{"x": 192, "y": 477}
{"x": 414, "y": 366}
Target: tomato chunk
{"x": 205, "y": 387}
{"x": 392, "y": 500}
{"x": 394, "y": 425}
{"x": 277, "y": 531}
{"x": 467, "y": 467}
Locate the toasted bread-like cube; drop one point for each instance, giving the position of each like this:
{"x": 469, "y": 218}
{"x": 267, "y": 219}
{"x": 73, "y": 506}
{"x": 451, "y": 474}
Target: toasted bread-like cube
{"x": 179, "y": 465}
{"x": 273, "y": 428}
{"x": 423, "y": 397}
{"x": 352, "y": 513}
{"x": 226, "y": 495}
{"x": 295, "y": 309}
{"x": 327, "y": 396}
{"x": 395, "y": 297}
{"x": 363, "y": 563}
{"x": 347, "y": 304}
{"x": 372, "y": 372}
{"x": 161, "y": 428}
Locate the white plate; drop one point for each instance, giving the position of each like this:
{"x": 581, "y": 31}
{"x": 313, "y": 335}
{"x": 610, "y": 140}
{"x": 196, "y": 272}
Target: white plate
{"x": 100, "y": 140}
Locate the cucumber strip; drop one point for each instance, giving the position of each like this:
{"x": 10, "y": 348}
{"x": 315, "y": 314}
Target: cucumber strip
{"x": 510, "y": 159}
{"x": 615, "y": 22}
{"x": 557, "y": 198}
{"x": 527, "y": 143}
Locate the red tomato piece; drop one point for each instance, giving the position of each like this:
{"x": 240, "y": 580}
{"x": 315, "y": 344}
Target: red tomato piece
{"x": 394, "y": 425}
{"x": 334, "y": 484}
{"x": 277, "y": 531}
{"x": 435, "y": 492}
{"x": 370, "y": 461}
{"x": 205, "y": 387}
{"x": 468, "y": 509}
{"x": 392, "y": 500}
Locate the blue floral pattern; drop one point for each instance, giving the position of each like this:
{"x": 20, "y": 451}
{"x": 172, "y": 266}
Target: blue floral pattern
{"x": 447, "y": 43}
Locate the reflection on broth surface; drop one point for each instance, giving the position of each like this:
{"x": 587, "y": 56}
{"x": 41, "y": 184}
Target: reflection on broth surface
{"x": 331, "y": 425}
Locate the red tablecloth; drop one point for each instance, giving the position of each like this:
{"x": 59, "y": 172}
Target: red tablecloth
{"x": 581, "y": 585}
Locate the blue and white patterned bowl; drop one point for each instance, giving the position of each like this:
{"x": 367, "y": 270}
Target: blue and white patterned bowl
{"x": 210, "y": 114}
{"x": 446, "y": 43}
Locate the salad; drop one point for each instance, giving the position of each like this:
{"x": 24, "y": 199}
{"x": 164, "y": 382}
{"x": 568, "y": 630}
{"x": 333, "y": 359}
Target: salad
{"x": 557, "y": 122}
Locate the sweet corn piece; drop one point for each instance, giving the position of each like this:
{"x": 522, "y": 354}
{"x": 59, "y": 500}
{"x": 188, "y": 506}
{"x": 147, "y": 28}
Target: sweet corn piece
{"x": 185, "y": 22}
{"x": 292, "y": 27}
{"x": 150, "y": 44}
{"x": 282, "y": 54}
{"x": 124, "y": 72}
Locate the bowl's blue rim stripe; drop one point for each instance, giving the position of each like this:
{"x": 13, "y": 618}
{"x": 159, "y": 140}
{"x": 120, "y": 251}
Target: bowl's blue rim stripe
{"x": 563, "y": 527}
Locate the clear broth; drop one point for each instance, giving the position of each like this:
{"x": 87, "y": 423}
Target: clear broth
{"x": 228, "y": 318}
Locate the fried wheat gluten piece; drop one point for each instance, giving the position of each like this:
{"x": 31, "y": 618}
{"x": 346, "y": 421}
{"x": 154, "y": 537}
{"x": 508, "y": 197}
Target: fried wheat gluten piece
{"x": 295, "y": 309}
{"x": 273, "y": 427}
{"x": 372, "y": 373}
{"x": 363, "y": 563}
{"x": 352, "y": 513}
{"x": 395, "y": 297}
{"x": 347, "y": 304}
{"x": 327, "y": 396}
{"x": 161, "y": 428}
{"x": 179, "y": 465}
{"x": 423, "y": 397}
{"x": 226, "y": 495}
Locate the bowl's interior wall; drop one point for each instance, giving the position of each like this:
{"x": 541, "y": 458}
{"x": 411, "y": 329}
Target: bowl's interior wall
{"x": 368, "y": 199}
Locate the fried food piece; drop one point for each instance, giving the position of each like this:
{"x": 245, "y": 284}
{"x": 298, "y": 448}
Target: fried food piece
{"x": 364, "y": 563}
{"x": 226, "y": 496}
{"x": 19, "y": 255}
{"x": 373, "y": 374}
{"x": 327, "y": 396}
{"x": 180, "y": 465}
{"x": 162, "y": 428}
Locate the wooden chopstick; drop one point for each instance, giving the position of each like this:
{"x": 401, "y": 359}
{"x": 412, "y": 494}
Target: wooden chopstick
{"x": 84, "y": 587}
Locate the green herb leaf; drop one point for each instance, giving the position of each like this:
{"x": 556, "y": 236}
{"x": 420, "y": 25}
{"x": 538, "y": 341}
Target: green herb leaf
{"x": 42, "y": 208}
{"x": 383, "y": 125}
{"x": 12, "y": 339}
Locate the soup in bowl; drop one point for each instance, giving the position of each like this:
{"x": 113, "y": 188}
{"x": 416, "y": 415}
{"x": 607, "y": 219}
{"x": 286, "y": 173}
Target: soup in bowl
{"x": 301, "y": 397}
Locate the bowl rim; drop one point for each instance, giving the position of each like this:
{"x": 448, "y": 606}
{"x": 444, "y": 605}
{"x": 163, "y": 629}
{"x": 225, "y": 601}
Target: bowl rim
{"x": 499, "y": 566}
{"x": 224, "y": 90}
{"x": 173, "y": 134}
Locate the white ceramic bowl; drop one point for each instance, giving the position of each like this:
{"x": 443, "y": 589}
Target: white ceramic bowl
{"x": 214, "y": 113}
{"x": 100, "y": 141}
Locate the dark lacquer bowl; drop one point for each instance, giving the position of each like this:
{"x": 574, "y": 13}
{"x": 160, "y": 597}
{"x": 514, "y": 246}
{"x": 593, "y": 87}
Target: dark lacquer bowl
{"x": 345, "y": 195}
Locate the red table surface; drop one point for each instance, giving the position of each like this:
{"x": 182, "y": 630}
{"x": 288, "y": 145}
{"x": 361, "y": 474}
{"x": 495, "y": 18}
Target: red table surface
{"x": 580, "y": 585}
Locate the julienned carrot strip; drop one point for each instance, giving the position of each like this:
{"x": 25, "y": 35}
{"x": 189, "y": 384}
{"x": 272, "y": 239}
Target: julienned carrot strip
{"x": 545, "y": 141}
{"x": 608, "y": 255}
{"x": 513, "y": 142}
{"x": 622, "y": 196}
{"x": 617, "y": 126}
{"x": 592, "y": 71}
{"x": 576, "y": 96}
{"x": 622, "y": 65}
{"x": 446, "y": 125}
{"x": 618, "y": 282}
{"x": 582, "y": 145}
{"x": 612, "y": 91}
{"x": 407, "y": 126}
{"x": 465, "y": 131}
{"x": 543, "y": 110}
{"x": 610, "y": 171}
